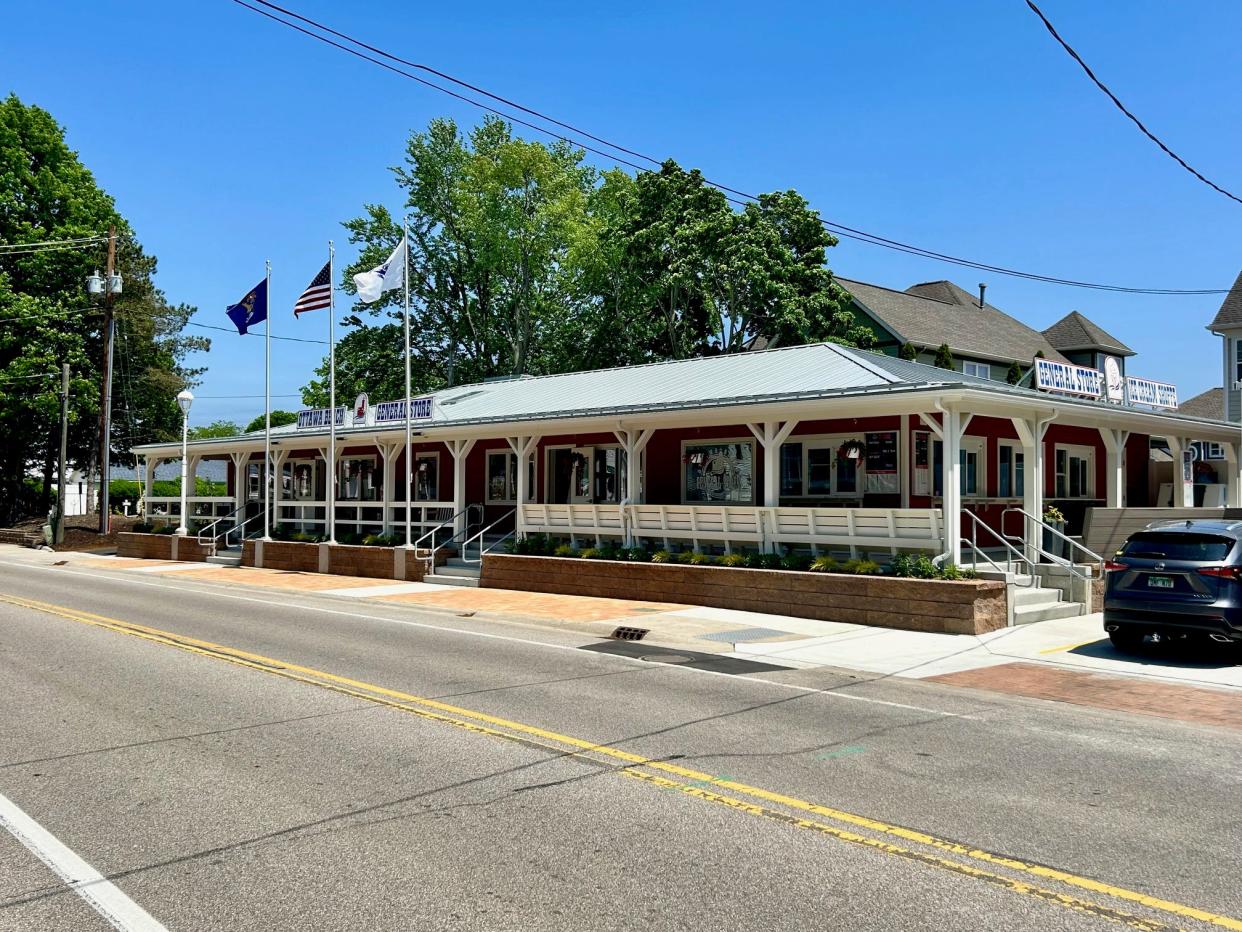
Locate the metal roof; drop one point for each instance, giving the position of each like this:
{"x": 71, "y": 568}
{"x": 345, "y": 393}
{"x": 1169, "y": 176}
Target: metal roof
{"x": 809, "y": 372}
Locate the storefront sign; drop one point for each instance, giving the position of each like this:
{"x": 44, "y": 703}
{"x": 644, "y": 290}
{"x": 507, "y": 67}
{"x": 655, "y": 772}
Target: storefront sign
{"x": 361, "y": 403}
{"x": 388, "y": 411}
{"x": 1146, "y": 392}
{"x": 1114, "y": 384}
{"x": 318, "y": 417}
{"x": 1054, "y": 376}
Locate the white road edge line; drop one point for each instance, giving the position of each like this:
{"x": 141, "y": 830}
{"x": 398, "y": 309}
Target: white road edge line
{"x": 827, "y": 693}
{"x": 104, "y": 897}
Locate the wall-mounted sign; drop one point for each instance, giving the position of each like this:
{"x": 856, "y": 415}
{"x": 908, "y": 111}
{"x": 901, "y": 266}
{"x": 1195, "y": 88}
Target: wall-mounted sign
{"x": 1114, "y": 384}
{"x": 388, "y": 411}
{"x": 318, "y": 417}
{"x": 360, "y": 407}
{"x": 1146, "y": 392}
{"x": 1052, "y": 376}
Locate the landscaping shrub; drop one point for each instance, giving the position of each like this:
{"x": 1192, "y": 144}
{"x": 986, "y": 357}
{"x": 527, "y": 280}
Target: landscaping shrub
{"x": 143, "y": 527}
{"x": 824, "y": 564}
{"x": 564, "y": 550}
{"x": 166, "y": 529}
{"x": 661, "y": 556}
{"x": 533, "y": 545}
{"x": 593, "y": 553}
{"x": 700, "y": 559}
{"x": 861, "y": 567}
{"x": 636, "y": 555}
{"x": 380, "y": 540}
{"x": 732, "y": 559}
{"x": 796, "y": 561}
{"x": 921, "y": 566}
{"x": 764, "y": 561}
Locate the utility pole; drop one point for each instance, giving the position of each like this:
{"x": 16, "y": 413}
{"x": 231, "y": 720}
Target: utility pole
{"x": 58, "y": 532}
{"x": 105, "y": 403}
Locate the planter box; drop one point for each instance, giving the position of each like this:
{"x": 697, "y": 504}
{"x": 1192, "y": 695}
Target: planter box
{"x": 339, "y": 559}
{"x": 957, "y": 607}
{"x": 160, "y": 547}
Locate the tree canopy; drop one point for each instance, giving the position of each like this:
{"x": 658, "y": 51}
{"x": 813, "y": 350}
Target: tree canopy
{"x": 525, "y": 259}
{"x": 47, "y": 194}
{"x": 216, "y": 429}
{"x": 279, "y": 419}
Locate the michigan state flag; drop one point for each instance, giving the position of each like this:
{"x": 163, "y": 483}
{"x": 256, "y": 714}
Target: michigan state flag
{"x": 250, "y": 310}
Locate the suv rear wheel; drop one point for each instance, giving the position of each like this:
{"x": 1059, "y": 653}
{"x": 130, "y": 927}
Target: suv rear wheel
{"x": 1126, "y": 638}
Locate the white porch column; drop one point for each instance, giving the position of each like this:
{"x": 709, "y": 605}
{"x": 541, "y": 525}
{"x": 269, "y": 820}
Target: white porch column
{"x": 390, "y": 450}
{"x": 1177, "y": 446}
{"x": 331, "y": 465}
{"x": 279, "y": 457}
{"x": 522, "y": 448}
{"x": 634, "y": 441}
{"x": 771, "y": 434}
{"x": 1031, "y": 432}
{"x": 1233, "y": 481}
{"x": 903, "y": 460}
{"x": 1115, "y": 465}
{"x": 951, "y": 481}
{"x": 191, "y": 485}
{"x": 460, "y": 450}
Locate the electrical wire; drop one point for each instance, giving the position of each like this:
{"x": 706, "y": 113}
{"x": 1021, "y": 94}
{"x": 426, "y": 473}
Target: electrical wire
{"x": 837, "y": 228}
{"x": 194, "y": 323}
{"x": 1124, "y": 109}
{"x": 52, "y": 243}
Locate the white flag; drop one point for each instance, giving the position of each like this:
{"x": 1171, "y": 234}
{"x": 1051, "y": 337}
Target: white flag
{"x": 386, "y": 277}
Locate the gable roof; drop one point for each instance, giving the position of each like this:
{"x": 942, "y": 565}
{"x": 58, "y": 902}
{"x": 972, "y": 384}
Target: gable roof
{"x": 1209, "y": 404}
{"x": 1077, "y": 332}
{"x": 1230, "y": 313}
{"x": 940, "y": 312}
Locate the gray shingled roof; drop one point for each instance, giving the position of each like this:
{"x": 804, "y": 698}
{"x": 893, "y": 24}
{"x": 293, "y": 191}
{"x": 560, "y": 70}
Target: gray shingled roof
{"x": 1076, "y": 332}
{"x": 933, "y": 313}
{"x": 1230, "y": 313}
{"x": 1210, "y": 404}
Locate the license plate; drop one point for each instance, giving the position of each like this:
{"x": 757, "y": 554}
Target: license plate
{"x": 1160, "y": 582}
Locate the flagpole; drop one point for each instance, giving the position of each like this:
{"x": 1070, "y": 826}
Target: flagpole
{"x": 267, "y": 408}
{"x": 330, "y": 485}
{"x": 409, "y": 466}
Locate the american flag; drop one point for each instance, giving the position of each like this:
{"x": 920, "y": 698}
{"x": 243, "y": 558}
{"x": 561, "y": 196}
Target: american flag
{"x": 318, "y": 293}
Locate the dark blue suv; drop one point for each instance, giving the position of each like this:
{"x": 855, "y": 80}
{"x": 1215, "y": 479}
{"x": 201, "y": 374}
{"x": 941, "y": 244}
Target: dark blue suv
{"x": 1176, "y": 580}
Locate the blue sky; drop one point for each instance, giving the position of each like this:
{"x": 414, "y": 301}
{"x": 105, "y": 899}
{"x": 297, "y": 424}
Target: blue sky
{"x": 961, "y": 127}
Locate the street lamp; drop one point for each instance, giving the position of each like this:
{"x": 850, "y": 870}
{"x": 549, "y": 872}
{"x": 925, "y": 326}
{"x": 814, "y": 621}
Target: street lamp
{"x": 185, "y": 398}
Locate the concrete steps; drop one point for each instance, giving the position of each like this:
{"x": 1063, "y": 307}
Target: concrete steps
{"x": 455, "y": 572}
{"x": 21, "y": 538}
{"x": 1034, "y": 604}
{"x": 230, "y": 557}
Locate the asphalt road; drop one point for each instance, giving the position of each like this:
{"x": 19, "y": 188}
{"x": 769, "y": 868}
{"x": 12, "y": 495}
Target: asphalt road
{"x": 253, "y": 760}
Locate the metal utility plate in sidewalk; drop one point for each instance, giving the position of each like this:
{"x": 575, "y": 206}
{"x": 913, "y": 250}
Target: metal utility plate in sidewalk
{"x": 675, "y": 656}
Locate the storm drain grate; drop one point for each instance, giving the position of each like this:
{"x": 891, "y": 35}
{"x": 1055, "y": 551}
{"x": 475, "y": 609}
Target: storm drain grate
{"x": 629, "y": 634}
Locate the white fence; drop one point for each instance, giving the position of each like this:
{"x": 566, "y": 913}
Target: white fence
{"x": 356, "y": 516}
{"x": 201, "y": 508}
{"x": 818, "y": 529}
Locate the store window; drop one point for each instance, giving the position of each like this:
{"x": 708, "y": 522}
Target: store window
{"x": 609, "y": 474}
{"x": 300, "y": 484}
{"x": 970, "y": 457}
{"x": 791, "y": 469}
{"x": 719, "y": 473}
{"x": 1010, "y": 467}
{"x": 979, "y": 369}
{"x": 1074, "y": 473}
{"x": 502, "y": 478}
{"x": 360, "y": 480}
{"x": 427, "y": 477}
{"x": 819, "y": 467}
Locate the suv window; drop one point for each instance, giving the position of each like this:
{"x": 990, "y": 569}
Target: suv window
{"x": 1207, "y": 548}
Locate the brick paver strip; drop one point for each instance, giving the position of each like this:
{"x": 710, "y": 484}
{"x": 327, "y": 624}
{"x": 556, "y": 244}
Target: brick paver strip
{"x": 1102, "y": 691}
{"x": 534, "y": 604}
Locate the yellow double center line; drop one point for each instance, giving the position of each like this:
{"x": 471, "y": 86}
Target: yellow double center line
{"x": 694, "y": 783}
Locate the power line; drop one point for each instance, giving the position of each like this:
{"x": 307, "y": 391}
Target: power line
{"x": 76, "y": 241}
{"x": 839, "y": 229}
{"x": 1122, "y": 107}
{"x": 194, "y": 323}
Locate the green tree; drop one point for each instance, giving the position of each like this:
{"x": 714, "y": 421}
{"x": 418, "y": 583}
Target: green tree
{"x": 944, "y": 358}
{"x": 215, "y": 429}
{"x": 909, "y": 352}
{"x": 279, "y": 419}
{"x": 1014, "y": 375}
{"x": 47, "y": 194}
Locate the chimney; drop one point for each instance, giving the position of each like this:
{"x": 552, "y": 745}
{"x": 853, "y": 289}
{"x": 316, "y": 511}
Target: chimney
{"x": 982, "y": 288}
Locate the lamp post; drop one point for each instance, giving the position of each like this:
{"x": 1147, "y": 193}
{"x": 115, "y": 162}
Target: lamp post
{"x": 185, "y": 398}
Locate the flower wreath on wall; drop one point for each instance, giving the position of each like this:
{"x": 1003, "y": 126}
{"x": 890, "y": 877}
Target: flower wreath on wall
{"x": 852, "y": 449}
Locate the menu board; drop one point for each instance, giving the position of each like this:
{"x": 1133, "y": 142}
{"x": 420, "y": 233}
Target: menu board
{"x": 882, "y": 475}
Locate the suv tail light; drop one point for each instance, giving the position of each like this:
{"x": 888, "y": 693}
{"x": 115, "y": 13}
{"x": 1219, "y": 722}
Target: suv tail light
{"x": 1112, "y": 566}
{"x": 1222, "y": 572}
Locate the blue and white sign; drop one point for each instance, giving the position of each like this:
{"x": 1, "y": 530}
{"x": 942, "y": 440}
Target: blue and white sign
{"x": 318, "y": 417}
{"x": 1055, "y": 376}
{"x": 388, "y": 411}
{"x": 1146, "y": 392}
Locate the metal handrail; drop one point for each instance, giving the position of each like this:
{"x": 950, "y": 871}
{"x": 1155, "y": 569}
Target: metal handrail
{"x": 206, "y": 528}
{"x": 1012, "y": 553}
{"x": 465, "y": 545}
{"x": 238, "y": 527}
{"x": 430, "y": 555}
{"x": 1044, "y": 526}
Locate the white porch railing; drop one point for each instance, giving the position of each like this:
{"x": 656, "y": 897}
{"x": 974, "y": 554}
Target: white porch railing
{"x": 827, "y": 529}
{"x": 356, "y": 515}
{"x": 208, "y": 507}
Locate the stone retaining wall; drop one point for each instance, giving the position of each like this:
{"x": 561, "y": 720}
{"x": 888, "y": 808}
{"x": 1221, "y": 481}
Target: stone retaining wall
{"x": 339, "y": 559}
{"x": 960, "y": 607}
{"x": 160, "y": 547}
